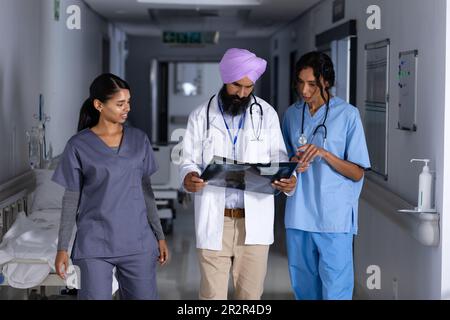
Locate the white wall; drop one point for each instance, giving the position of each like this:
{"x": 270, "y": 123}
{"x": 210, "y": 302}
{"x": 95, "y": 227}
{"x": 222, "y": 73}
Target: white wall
{"x": 41, "y": 55}
{"x": 409, "y": 24}
{"x": 71, "y": 59}
{"x": 19, "y": 81}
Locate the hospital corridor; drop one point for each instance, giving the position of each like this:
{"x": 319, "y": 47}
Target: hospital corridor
{"x": 240, "y": 150}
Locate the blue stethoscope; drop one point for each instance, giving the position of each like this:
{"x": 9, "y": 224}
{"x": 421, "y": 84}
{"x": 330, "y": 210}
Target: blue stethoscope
{"x": 257, "y": 134}
{"x": 303, "y": 140}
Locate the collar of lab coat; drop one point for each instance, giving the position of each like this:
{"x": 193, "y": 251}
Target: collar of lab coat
{"x": 215, "y": 115}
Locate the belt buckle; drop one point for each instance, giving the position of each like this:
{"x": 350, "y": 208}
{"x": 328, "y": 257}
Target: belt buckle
{"x": 234, "y": 213}
{"x": 238, "y": 213}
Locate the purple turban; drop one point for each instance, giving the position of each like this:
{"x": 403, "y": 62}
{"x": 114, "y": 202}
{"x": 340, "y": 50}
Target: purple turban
{"x": 240, "y": 63}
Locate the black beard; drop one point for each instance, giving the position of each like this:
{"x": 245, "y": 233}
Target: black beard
{"x": 232, "y": 104}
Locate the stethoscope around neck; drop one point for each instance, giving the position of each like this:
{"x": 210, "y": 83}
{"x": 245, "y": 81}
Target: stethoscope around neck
{"x": 303, "y": 140}
{"x": 255, "y": 102}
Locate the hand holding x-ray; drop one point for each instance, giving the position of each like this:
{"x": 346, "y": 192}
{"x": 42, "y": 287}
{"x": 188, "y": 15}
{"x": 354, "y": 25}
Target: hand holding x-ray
{"x": 285, "y": 185}
{"x": 193, "y": 182}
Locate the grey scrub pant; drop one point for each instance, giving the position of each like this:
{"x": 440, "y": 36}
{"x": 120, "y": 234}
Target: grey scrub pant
{"x": 136, "y": 275}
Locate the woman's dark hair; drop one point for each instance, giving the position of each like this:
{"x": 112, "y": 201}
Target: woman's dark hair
{"x": 322, "y": 67}
{"x": 102, "y": 88}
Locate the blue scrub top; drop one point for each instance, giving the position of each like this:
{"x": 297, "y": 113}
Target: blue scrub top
{"x": 324, "y": 200}
{"x": 112, "y": 219}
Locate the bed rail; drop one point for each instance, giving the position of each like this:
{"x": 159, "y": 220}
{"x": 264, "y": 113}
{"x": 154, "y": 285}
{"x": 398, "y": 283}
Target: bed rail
{"x": 14, "y": 198}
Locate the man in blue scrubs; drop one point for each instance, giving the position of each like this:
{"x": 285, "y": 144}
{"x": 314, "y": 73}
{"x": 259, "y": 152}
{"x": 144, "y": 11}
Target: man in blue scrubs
{"x": 324, "y": 134}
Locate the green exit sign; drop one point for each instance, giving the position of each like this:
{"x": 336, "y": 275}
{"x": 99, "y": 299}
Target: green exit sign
{"x": 171, "y": 37}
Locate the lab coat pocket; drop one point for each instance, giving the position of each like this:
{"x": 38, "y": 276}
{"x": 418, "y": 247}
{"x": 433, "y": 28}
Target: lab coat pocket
{"x": 207, "y": 150}
{"x": 220, "y": 146}
{"x": 257, "y": 151}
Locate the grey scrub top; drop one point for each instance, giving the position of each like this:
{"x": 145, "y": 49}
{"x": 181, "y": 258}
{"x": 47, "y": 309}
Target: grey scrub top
{"x": 112, "y": 217}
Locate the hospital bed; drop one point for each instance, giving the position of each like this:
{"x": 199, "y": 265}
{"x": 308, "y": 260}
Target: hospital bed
{"x": 166, "y": 186}
{"x": 26, "y": 223}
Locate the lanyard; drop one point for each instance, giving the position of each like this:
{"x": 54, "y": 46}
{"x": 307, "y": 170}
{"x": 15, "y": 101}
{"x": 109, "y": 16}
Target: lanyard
{"x": 241, "y": 124}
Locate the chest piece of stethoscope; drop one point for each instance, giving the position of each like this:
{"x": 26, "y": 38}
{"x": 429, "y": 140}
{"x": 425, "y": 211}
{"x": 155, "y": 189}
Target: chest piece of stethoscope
{"x": 302, "y": 140}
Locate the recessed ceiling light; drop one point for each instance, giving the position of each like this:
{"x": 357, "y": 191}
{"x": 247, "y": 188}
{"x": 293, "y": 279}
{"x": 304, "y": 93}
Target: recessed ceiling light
{"x": 205, "y": 2}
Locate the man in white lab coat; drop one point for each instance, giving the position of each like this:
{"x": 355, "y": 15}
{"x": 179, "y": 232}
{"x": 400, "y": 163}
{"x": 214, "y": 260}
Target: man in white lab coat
{"x": 234, "y": 228}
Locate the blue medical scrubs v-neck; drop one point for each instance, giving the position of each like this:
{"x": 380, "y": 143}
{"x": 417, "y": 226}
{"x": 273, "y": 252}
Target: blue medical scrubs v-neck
{"x": 325, "y": 200}
{"x": 112, "y": 219}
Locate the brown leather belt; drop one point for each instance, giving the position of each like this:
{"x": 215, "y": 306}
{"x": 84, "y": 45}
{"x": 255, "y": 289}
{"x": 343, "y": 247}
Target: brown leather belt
{"x": 235, "y": 213}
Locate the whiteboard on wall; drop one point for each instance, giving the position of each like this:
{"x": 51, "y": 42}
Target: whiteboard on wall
{"x": 407, "y": 83}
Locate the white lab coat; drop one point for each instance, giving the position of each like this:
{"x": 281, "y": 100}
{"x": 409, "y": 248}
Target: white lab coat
{"x": 198, "y": 150}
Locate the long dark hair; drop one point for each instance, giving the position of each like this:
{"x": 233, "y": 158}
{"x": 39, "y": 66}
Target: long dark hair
{"x": 102, "y": 88}
{"x": 322, "y": 67}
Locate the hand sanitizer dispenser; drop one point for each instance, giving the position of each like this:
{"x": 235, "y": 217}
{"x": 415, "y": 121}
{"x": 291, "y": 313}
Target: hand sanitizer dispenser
{"x": 425, "y": 182}
{"x": 423, "y": 221}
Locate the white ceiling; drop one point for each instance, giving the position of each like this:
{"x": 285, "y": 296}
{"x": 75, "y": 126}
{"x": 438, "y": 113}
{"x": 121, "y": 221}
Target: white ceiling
{"x": 232, "y": 21}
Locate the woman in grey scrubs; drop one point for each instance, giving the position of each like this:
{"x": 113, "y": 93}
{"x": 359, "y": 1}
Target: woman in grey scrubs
{"x": 106, "y": 169}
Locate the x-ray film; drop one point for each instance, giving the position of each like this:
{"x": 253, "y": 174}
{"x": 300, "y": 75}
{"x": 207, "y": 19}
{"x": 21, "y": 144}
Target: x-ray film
{"x": 254, "y": 177}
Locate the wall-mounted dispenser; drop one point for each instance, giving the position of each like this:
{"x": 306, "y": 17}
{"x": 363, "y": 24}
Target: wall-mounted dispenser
{"x": 424, "y": 203}
{"x": 426, "y": 218}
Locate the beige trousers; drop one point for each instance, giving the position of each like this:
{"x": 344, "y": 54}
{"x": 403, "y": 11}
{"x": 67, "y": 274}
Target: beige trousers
{"x": 248, "y": 264}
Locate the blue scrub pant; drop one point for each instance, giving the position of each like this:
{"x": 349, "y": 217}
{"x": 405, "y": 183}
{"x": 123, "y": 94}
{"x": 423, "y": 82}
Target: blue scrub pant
{"x": 136, "y": 275}
{"x": 320, "y": 265}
